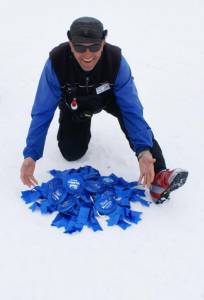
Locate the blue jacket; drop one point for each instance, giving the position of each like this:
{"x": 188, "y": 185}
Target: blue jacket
{"x": 48, "y": 96}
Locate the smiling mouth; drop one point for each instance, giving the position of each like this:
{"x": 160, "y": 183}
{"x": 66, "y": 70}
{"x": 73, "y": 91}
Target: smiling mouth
{"x": 87, "y": 60}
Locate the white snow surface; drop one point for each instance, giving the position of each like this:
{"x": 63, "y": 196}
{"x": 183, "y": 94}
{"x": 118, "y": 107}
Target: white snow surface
{"x": 161, "y": 258}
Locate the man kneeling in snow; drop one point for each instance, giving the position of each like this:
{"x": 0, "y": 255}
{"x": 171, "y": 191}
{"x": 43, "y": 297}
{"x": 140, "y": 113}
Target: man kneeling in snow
{"x": 83, "y": 77}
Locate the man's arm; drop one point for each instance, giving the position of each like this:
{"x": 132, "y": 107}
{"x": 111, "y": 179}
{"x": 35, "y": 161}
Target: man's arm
{"x": 45, "y": 104}
{"x": 131, "y": 109}
{"x": 46, "y": 101}
{"x": 137, "y": 129}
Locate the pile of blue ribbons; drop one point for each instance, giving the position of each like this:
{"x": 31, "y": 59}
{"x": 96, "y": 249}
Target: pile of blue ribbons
{"x": 81, "y": 195}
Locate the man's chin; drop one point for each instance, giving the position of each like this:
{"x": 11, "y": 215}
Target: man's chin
{"x": 87, "y": 67}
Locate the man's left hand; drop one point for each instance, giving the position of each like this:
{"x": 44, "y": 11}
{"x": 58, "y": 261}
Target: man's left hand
{"x": 146, "y": 164}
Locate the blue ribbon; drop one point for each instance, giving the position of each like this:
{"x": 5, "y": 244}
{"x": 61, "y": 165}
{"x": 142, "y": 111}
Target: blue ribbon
{"x": 81, "y": 195}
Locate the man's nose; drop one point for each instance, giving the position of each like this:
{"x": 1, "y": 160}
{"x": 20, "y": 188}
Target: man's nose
{"x": 87, "y": 51}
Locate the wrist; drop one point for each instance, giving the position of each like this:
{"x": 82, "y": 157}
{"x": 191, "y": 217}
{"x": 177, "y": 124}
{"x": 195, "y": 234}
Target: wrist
{"x": 142, "y": 153}
{"x": 29, "y": 160}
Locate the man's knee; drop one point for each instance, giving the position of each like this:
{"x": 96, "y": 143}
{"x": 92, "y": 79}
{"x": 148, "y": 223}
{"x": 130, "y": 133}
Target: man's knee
{"x": 72, "y": 154}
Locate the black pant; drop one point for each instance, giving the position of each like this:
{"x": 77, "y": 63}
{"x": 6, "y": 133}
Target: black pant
{"x": 74, "y": 136}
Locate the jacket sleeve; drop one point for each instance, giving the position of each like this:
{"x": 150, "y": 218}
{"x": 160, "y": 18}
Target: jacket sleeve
{"x": 131, "y": 109}
{"x": 46, "y": 101}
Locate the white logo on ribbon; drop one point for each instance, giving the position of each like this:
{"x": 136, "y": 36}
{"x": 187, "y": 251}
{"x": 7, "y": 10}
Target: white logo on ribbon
{"x": 73, "y": 184}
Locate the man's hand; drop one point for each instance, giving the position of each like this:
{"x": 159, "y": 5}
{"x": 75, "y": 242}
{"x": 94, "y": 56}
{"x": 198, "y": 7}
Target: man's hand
{"x": 27, "y": 171}
{"x": 146, "y": 163}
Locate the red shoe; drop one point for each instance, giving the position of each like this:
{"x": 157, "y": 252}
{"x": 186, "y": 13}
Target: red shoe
{"x": 165, "y": 182}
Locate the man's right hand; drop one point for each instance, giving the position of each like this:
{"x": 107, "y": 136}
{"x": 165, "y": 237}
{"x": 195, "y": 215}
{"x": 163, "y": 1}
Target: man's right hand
{"x": 27, "y": 171}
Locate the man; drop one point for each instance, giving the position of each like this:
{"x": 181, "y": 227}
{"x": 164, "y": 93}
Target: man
{"x": 84, "y": 76}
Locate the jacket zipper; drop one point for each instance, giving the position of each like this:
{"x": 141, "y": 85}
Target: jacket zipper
{"x": 87, "y": 85}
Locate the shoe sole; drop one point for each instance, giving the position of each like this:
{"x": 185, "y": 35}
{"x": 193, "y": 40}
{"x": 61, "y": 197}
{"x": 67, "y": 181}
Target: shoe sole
{"x": 178, "y": 181}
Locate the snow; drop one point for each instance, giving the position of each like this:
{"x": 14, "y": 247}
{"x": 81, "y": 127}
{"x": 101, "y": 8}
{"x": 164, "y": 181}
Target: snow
{"x": 161, "y": 258}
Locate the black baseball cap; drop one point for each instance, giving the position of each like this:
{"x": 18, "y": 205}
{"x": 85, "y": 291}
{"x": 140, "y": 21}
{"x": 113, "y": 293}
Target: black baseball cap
{"x": 86, "y": 30}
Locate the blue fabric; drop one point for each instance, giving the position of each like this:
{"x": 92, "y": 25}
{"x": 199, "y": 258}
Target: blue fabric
{"x": 138, "y": 130}
{"x": 46, "y": 101}
{"x": 80, "y": 196}
{"x": 48, "y": 96}
{"x": 105, "y": 203}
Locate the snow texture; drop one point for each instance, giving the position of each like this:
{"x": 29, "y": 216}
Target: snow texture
{"x": 161, "y": 258}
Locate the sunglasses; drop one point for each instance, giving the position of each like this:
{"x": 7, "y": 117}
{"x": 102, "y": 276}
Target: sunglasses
{"x": 82, "y": 48}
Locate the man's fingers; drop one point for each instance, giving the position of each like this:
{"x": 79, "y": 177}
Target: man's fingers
{"x": 147, "y": 178}
{"x": 24, "y": 180}
{"x": 149, "y": 181}
{"x": 33, "y": 180}
{"x": 150, "y": 178}
{"x": 29, "y": 180}
{"x": 142, "y": 178}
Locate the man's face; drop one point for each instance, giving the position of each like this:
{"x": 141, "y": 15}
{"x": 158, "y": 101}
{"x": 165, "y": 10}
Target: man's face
{"x": 88, "y": 58}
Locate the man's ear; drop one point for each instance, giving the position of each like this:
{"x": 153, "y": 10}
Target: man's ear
{"x": 69, "y": 35}
{"x": 105, "y": 33}
{"x": 71, "y": 46}
{"x": 103, "y": 42}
